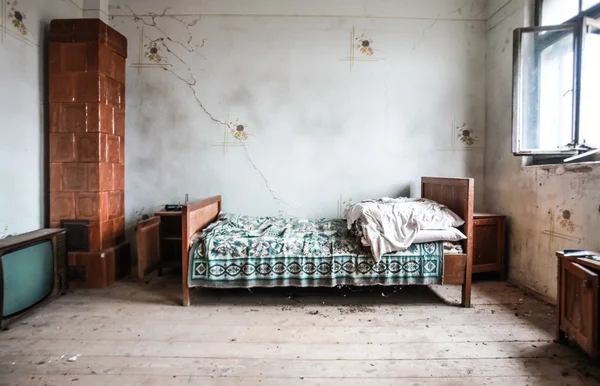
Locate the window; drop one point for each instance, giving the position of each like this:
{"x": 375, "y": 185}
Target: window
{"x": 556, "y": 98}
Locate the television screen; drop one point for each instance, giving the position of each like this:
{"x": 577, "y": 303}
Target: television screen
{"x": 28, "y": 276}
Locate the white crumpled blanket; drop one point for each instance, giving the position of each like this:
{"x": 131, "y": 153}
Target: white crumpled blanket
{"x": 391, "y": 224}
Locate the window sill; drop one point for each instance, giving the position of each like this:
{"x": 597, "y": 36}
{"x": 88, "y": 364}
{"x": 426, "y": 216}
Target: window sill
{"x": 562, "y": 168}
{"x": 556, "y": 160}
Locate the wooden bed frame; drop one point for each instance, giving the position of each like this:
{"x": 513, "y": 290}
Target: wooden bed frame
{"x": 456, "y": 193}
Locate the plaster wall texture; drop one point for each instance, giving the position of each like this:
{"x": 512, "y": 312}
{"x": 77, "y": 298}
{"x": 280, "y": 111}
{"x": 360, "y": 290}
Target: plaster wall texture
{"x": 23, "y": 27}
{"x": 296, "y": 107}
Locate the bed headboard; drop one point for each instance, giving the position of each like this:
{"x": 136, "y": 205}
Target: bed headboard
{"x": 195, "y": 217}
{"x": 458, "y": 195}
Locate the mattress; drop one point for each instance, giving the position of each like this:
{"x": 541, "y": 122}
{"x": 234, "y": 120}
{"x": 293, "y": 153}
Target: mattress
{"x": 243, "y": 252}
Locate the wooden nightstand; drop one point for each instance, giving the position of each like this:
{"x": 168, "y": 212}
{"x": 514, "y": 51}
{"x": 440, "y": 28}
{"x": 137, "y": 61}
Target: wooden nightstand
{"x": 170, "y": 240}
{"x": 488, "y": 243}
{"x": 159, "y": 242}
{"x": 577, "y": 304}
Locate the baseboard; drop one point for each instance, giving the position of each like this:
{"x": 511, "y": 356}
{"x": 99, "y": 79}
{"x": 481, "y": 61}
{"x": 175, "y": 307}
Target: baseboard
{"x": 530, "y": 291}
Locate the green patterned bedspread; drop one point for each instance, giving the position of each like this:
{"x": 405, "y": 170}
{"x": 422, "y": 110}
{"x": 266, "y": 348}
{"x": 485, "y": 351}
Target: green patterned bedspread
{"x": 242, "y": 251}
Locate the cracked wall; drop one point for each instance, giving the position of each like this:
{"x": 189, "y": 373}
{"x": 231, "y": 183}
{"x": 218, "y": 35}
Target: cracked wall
{"x": 23, "y": 26}
{"x": 275, "y": 106}
{"x": 550, "y": 207}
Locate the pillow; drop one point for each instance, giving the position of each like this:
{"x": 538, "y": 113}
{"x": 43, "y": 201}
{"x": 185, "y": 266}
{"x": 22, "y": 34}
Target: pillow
{"x": 433, "y": 215}
{"x": 448, "y": 234}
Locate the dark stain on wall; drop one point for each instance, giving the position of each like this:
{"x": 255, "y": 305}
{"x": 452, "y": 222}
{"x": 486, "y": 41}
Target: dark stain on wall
{"x": 568, "y": 168}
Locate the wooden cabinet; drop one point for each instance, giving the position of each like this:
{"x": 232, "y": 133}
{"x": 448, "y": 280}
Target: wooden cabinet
{"x": 488, "y": 243}
{"x": 577, "y": 305}
{"x": 159, "y": 242}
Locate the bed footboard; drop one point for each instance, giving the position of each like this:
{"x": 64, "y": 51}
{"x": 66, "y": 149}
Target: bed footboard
{"x": 195, "y": 217}
{"x": 458, "y": 195}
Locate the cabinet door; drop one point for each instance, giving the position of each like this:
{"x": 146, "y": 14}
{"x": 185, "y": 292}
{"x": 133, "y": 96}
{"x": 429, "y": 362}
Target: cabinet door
{"x": 579, "y": 305}
{"x": 485, "y": 245}
{"x": 148, "y": 245}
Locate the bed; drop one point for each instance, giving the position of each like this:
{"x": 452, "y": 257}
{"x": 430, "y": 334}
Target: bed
{"x": 316, "y": 253}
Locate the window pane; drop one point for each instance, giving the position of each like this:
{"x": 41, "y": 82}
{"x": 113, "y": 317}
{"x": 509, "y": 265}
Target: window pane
{"x": 546, "y": 90}
{"x": 589, "y": 126}
{"x": 587, "y": 4}
{"x": 558, "y": 11}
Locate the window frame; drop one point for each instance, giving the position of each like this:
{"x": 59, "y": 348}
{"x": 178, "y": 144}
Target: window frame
{"x": 576, "y": 25}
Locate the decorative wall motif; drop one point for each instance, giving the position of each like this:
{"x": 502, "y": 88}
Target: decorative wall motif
{"x": 239, "y": 130}
{"x": 362, "y": 46}
{"x": 5, "y": 233}
{"x": 342, "y": 205}
{"x": 234, "y": 135}
{"x": 465, "y": 134}
{"x": 17, "y": 17}
{"x": 15, "y": 21}
{"x": 365, "y": 46}
{"x": 564, "y": 220}
{"x": 461, "y": 137}
{"x": 153, "y": 52}
{"x": 150, "y": 52}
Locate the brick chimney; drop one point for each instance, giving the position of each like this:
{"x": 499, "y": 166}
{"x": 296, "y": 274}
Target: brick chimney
{"x": 87, "y": 149}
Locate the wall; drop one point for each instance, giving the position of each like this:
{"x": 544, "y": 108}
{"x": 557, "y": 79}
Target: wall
{"x": 549, "y": 207}
{"x": 320, "y": 121}
{"x": 23, "y": 25}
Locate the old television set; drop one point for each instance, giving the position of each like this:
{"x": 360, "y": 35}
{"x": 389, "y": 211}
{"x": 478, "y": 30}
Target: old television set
{"x": 33, "y": 270}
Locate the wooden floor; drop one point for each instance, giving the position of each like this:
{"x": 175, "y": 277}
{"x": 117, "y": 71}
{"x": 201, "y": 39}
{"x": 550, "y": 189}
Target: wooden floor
{"x": 136, "y": 334}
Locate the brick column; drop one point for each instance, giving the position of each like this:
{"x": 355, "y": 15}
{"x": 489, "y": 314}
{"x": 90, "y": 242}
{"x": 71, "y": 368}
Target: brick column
{"x": 87, "y": 132}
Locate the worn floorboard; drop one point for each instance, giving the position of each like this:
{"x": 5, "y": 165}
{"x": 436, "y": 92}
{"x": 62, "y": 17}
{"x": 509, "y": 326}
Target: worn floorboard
{"x": 135, "y": 333}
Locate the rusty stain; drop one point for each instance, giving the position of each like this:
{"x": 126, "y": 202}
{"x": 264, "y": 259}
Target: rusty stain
{"x": 580, "y": 169}
{"x": 569, "y": 169}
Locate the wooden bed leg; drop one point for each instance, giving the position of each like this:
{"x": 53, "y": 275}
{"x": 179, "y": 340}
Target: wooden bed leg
{"x": 466, "y": 287}
{"x": 185, "y": 289}
{"x": 466, "y": 294}
{"x": 186, "y": 296}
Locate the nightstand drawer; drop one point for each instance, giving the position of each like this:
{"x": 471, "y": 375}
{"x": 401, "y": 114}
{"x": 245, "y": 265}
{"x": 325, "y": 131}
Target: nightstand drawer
{"x": 485, "y": 221}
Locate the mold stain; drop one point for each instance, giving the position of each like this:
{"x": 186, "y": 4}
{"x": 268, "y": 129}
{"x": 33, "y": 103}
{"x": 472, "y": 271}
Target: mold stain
{"x": 564, "y": 220}
{"x": 17, "y": 17}
{"x": 364, "y": 45}
{"x": 466, "y": 135}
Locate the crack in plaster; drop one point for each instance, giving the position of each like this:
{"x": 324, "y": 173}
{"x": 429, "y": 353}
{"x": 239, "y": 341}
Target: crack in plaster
{"x": 424, "y": 32}
{"x": 192, "y": 86}
{"x": 437, "y": 18}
